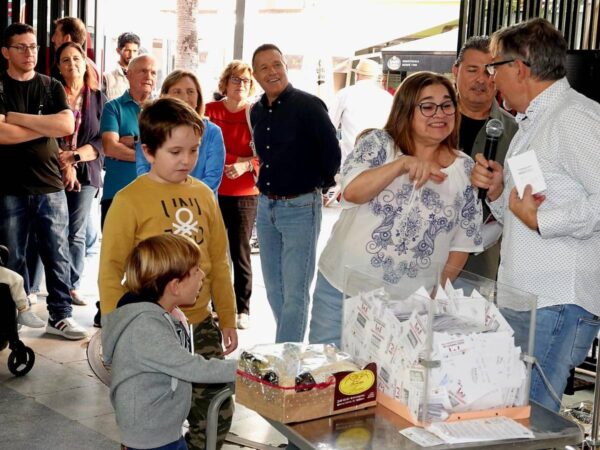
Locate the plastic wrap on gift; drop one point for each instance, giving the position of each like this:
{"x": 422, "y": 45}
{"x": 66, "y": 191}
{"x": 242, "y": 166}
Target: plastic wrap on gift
{"x": 292, "y": 382}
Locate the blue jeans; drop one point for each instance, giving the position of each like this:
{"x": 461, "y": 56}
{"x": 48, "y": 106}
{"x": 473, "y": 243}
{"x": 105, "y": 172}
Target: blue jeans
{"x": 79, "y": 204}
{"x": 45, "y": 215}
{"x": 563, "y": 337}
{"x": 326, "y": 315}
{"x": 288, "y": 231}
{"x": 92, "y": 230}
{"x": 35, "y": 268}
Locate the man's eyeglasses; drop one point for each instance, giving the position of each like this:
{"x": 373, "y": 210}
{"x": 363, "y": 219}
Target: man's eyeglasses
{"x": 238, "y": 80}
{"x": 491, "y": 67}
{"x": 23, "y": 48}
{"x": 429, "y": 109}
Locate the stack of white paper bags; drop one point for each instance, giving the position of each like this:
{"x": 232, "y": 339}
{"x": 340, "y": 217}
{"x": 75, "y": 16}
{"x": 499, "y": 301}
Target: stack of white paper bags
{"x": 479, "y": 365}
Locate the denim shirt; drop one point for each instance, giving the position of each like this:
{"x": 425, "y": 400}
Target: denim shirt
{"x": 296, "y": 143}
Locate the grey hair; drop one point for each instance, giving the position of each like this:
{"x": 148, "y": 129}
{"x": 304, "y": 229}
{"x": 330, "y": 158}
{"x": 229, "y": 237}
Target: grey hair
{"x": 536, "y": 42}
{"x": 138, "y": 59}
{"x": 479, "y": 43}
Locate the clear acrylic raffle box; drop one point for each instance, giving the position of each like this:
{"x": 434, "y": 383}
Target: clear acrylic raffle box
{"x": 445, "y": 350}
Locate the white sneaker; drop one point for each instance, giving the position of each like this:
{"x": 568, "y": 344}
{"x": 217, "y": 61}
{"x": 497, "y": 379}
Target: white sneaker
{"x": 254, "y": 247}
{"x": 32, "y": 299}
{"x": 243, "y": 321}
{"x": 30, "y": 319}
{"x": 66, "y": 328}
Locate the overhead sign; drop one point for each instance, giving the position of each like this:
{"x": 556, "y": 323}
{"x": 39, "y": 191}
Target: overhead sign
{"x": 440, "y": 62}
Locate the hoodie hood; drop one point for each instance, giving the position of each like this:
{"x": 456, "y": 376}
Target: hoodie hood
{"x": 129, "y": 308}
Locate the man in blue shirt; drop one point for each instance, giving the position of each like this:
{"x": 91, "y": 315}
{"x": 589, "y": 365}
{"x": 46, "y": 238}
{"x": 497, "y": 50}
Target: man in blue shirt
{"x": 299, "y": 156}
{"x": 120, "y": 130}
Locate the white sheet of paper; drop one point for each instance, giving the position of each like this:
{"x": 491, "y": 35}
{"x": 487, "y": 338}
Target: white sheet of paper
{"x": 525, "y": 169}
{"x": 479, "y": 430}
{"x": 422, "y": 437}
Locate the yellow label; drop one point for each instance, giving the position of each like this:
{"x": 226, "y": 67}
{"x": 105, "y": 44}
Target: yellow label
{"x": 357, "y": 382}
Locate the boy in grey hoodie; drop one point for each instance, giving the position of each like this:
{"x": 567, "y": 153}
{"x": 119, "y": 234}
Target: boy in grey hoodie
{"x": 146, "y": 339}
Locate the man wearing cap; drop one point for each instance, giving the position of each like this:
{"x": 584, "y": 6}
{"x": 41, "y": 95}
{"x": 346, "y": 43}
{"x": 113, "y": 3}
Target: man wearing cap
{"x": 477, "y": 102}
{"x": 364, "y": 105}
{"x": 299, "y": 157}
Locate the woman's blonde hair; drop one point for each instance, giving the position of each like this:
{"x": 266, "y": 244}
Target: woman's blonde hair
{"x": 405, "y": 105}
{"x": 155, "y": 261}
{"x": 235, "y": 67}
{"x": 175, "y": 77}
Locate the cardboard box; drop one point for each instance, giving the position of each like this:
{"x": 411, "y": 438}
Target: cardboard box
{"x": 344, "y": 392}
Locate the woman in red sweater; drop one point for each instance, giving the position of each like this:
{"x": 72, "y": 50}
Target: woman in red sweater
{"x": 238, "y": 195}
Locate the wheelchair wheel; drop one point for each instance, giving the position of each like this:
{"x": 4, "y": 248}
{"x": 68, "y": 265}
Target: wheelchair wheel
{"x": 21, "y": 361}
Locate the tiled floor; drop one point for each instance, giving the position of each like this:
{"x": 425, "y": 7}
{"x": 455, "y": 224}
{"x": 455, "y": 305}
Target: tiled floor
{"x": 61, "y": 404}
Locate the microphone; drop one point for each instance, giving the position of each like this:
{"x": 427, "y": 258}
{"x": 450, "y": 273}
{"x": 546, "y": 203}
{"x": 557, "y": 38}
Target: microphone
{"x": 493, "y": 130}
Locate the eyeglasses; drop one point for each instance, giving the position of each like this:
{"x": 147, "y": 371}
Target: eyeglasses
{"x": 491, "y": 67}
{"x": 429, "y": 109}
{"x": 23, "y": 48}
{"x": 238, "y": 80}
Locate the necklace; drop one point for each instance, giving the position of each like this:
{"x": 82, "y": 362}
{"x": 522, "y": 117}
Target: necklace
{"x": 74, "y": 97}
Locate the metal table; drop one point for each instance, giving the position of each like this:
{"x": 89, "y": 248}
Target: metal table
{"x": 378, "y": 428}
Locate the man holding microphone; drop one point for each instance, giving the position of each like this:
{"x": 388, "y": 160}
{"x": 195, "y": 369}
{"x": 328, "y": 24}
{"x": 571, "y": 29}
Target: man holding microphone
{"x": 551, "y": 239}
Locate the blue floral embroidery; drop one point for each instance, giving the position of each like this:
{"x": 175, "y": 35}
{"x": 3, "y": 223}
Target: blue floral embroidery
{"x": 369, "y": 151}
{"x": 404, "y": 242}
{"x": 470, "y": 213}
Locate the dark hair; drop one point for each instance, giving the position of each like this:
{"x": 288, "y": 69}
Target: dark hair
{"x": 157, "y": 260}
{"x": 175, "y": 77}
{"x": 536, "y": 42}
{"x": 264, "y": 48}
{"x": 479, "y": 43}
{"x": 128, "y": 38}
{"x": 399, "y": 123}
{"x": 160, "y": 117}
{"x": 89, "y": 78}
{"x": 73, "y": 27}
{"x": 15, "y": 29}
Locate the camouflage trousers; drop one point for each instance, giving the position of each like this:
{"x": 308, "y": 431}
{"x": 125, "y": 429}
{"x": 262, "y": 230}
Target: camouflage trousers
{"x": 208, "y": 343}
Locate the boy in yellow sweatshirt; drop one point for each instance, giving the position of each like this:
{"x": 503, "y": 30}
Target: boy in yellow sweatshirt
{"x": 168, "y": 200}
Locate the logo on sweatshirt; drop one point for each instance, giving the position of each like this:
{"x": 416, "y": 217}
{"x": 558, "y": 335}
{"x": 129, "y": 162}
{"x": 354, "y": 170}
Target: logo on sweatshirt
{"x": 183, "y": 215}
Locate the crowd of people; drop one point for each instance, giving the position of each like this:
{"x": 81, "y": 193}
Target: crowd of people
{"x": 185, "y": 180}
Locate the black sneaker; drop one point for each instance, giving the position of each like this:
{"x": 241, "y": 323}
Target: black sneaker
{"x": 97, "y": 317}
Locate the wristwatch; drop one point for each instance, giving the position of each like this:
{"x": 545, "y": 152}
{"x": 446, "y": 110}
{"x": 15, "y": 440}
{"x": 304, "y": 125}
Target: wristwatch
{"x": 76, "y": 157}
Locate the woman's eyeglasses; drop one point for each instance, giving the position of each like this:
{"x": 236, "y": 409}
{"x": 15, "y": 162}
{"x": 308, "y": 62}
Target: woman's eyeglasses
{"x": 238, "y": 80}
{"x": 429, "y": 109}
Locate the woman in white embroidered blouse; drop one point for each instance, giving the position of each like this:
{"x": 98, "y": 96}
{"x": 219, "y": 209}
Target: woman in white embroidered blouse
{"x": 407, "y": 201}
